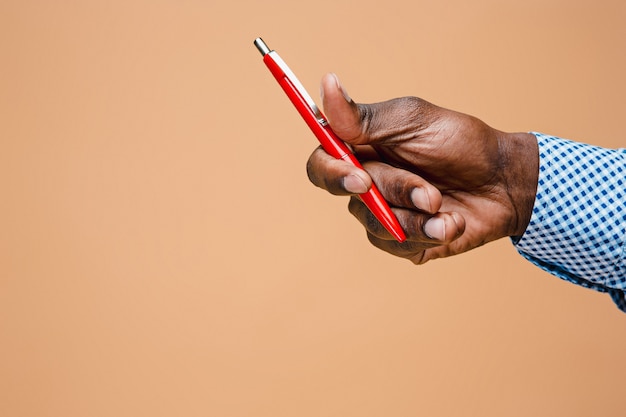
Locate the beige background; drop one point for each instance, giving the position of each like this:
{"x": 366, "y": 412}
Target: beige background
{"x": 162, "y": 252}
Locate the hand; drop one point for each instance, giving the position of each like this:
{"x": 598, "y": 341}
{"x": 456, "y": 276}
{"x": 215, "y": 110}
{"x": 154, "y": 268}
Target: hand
{"x": 454, "y": 182}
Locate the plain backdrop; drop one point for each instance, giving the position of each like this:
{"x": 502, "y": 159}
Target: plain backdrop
{"x": 162, "y": 252}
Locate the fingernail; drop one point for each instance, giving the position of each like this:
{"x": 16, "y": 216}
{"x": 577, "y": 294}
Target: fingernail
{"x": 354, "y": 184}
{"x": 340, "y": 87}
{"x": 420, "y": 199}
{"x": 435, "y": 228}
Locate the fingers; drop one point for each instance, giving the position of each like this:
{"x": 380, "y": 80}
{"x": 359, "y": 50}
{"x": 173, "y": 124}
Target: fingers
{"x": 421, "y": 228}
{"x": 402, "y": 188}
{"x": 428, "y": 236}
{"x": 428, "y": 231}
{"x": 399, "y": 187}
{"x": 418, "y": 253}
{"x": 336, "y": 176}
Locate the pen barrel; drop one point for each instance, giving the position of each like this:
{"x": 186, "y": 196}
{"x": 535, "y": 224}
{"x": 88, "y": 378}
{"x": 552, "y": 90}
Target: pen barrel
{"x": 335, "y": 147}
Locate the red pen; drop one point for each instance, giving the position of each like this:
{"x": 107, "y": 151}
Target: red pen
{"x": 328, "y": 139}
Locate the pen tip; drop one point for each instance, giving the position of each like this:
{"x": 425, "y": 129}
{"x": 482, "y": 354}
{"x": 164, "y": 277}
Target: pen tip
{"x": 400, "y": 236}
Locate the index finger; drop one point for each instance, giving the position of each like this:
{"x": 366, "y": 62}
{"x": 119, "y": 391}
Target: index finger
{"x": 336, "y": 176}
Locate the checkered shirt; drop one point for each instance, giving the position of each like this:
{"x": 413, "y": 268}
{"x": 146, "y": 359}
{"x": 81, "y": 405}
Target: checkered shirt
{"x": 578, "y": 226}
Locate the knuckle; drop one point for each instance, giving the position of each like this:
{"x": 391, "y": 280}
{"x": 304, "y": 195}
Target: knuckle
{"x": 353, "y": 206}
{"x": 330, "y": 185}
{"x": 310, "y": 171}
{"x": 312, "y": 166}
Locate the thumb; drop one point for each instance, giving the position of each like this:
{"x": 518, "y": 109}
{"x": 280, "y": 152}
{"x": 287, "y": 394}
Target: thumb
{"x": 342, "y": 112}
{"x": 390, "y": 122}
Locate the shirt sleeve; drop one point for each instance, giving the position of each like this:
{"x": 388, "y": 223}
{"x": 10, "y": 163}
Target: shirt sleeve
{"x": 577, "y": 230}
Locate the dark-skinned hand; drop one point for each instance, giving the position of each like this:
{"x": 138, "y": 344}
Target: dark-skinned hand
{"x": 454, "y": 182}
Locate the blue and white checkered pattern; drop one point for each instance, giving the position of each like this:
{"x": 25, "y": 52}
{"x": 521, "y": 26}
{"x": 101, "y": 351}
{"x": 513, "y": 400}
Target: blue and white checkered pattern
{"x": 578, "y": 226}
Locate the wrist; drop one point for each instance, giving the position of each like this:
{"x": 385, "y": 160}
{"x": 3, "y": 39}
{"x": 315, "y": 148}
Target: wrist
{"x": 519, "y": 155}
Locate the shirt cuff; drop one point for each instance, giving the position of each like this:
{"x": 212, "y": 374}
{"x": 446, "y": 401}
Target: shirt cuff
{"x": 578, "y": 225}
